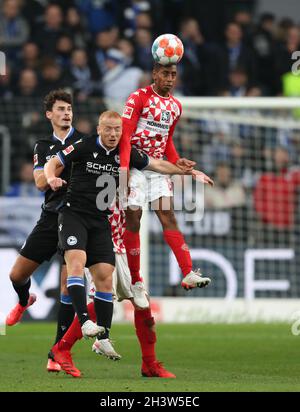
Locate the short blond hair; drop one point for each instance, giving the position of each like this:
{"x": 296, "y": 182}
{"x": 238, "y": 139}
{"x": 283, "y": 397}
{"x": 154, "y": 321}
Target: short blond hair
{"x": 109, "y": 114}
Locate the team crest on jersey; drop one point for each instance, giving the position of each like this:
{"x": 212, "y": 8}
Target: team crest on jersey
{"x": 165, "y": 116}
{"x": 35, "y": 160}
{"x": 127, "y": 113}
{"x": 68, "y": 150}
{"x": 117, "y": 159}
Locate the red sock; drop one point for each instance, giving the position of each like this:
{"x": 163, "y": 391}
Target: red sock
{"x": 74, "y": 333}
{"x": 176, "y": 241}
{"x": 144, "y": 328}
{"x": 132, "y": 244}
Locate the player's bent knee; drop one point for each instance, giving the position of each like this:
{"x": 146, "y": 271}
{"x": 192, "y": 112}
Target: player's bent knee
{"x": 18, "y": 276}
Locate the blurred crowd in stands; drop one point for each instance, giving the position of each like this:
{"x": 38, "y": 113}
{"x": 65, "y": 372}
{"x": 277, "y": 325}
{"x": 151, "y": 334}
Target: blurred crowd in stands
{"x": 103, "y": 47}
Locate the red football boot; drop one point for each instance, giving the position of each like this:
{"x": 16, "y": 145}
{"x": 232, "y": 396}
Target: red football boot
{"x": 15, "y": 315}
{"x": 155, "y": 370}
{"x": 53, "y": 366}
{"x": 64, "y": 358}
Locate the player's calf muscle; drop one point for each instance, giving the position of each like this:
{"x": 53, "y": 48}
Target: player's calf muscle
{"x": 22, "y": 269}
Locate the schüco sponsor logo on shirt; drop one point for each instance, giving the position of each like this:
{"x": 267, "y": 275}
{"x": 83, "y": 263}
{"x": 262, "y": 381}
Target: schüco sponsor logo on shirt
{"x": 91, "y": 166}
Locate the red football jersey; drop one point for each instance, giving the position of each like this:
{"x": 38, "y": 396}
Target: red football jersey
{"x": 153, "y": 119}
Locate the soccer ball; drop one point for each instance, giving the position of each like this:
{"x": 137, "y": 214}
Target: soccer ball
{"x": 167, "y": 49}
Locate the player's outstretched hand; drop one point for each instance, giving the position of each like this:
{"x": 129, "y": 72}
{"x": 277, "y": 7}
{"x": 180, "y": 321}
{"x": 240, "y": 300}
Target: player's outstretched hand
{"x": 202, "y": 177}
{"x": 56, "y": 183}
{"x": 185, "y": 164}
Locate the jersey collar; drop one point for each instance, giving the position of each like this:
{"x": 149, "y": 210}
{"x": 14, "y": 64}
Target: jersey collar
{"x": 162, "y": 97}
{"x": 69, "y": 134}
{"x": 99, "y": 143}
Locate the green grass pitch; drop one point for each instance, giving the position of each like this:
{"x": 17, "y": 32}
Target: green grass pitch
{"x": 254, "y": 357}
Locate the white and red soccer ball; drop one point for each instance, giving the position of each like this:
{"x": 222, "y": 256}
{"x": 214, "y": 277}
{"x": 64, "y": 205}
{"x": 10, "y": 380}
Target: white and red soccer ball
{"x": 167, "y": 49}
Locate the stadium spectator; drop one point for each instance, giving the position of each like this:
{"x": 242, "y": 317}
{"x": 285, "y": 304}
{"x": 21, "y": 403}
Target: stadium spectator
{"x": 143, "y": 21}
{"x": 119, "y": 80}
{"x": 264, "y": 45}
{"x": 64, "y": 50}
{"x": 100, "y": 15}
{"x": 83, "y": 80}
{"x": 143, "y": 40}
{"x": 33, "y": 12}
{"x": 75, "y": 28}
{"x": 226, "y": 193}
{"x": 196, "y": 59}
{"x": 84, "y": 125}
{"x": 48, "y": 32}
{"x": 30, "y": 57}
{"x": 28, "y": 84}
{"x": 129, "y": 16}
{"x": 235, "y": 53}
{"x": 25, "y": 187}
{"x": 275, "y": 193}
{"x": 104, "y": 41}
{"x": 6, "y": 92}
{"x": 244, "y": 19}
{"x": 14, "y": 30}
{"x": 127, "y": 48}
{"x": 218, "y": 149}
{"x": 52, "y": 77}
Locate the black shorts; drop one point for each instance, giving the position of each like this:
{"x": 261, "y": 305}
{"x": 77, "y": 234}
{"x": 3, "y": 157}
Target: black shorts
{"x": 42, "y": 242}
{"x": 84, "y": 232}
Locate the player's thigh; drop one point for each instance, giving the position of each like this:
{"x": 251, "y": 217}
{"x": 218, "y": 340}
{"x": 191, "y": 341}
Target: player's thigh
{"x": 42, "y": 242}
{"x": 165, "y": 213}
{"x": 73, "y": 238}
{"x": 73, "y": 232}
{"x": 100, "y": 246}
{"x": 22, "y": 269}
{"x": 138, "y": 186}
{"x": 159, "y": 186}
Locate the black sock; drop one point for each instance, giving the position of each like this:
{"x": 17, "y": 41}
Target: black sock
{"x": 65, "y": 317}
{"x": 23, "y": 291}
{"x": 104, "y": 311}
{"x": 77, "y": 293}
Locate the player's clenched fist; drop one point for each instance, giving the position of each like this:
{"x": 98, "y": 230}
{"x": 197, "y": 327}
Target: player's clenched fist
{"x": 56, "y": 183}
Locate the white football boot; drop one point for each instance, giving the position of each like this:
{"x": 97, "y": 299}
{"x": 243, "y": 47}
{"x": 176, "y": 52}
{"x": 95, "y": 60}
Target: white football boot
{"x": 104, "y": 347}
{"x": 89, "y": 329}
{"x": 195, "y": 280}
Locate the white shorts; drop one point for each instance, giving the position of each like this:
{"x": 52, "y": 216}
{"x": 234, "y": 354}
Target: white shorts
{"x": 147, "y": 186}
{"x": 121, "y": 279}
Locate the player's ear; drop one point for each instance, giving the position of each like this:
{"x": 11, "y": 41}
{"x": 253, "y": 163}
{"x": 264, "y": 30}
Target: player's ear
{"x": 49, "y": 115}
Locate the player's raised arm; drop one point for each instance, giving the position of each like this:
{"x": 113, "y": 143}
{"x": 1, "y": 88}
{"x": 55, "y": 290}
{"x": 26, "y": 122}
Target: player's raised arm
{"x": 130, "y": 118}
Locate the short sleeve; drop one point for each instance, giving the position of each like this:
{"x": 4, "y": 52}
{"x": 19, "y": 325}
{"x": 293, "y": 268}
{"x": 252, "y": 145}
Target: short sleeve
{"x": 71, "y": 153}
{"x": 39, "y": 156}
